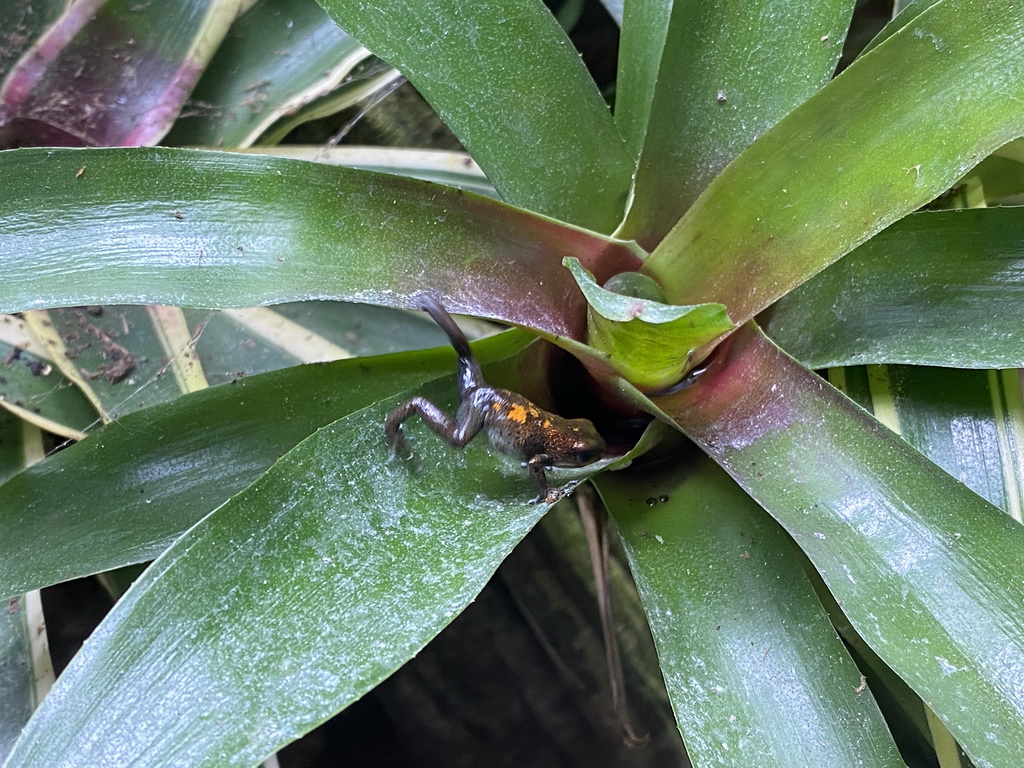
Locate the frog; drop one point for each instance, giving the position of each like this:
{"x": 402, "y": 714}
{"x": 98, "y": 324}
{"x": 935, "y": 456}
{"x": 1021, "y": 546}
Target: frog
{"x": 515, "y": 426}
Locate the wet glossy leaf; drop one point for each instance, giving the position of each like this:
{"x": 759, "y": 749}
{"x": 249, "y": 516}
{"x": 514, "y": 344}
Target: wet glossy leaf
{"x": 210, "y": 229}
{"x": 721, "y": 75}
{"x": 937, "y": 288}
{"x": 925, "y": 570}
{"x": 123, "y": 495}
{"x": 507, "y": 81}
{"x": 754, "y": 670}
{"x": 894, "y": 130}
{"x": 970, "y": 423}
{"x": 286, "y": 604}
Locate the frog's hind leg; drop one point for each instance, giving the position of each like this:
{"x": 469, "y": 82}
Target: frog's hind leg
{"x": 456, "y": 432}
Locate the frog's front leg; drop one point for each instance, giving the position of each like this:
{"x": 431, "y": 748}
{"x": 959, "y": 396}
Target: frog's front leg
{"x": 537, "y": 464}
{"x": 456, "y": 432}
{"x": 545, "y": 493}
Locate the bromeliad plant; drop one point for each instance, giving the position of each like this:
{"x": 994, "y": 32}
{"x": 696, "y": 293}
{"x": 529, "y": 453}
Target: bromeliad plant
{"x": 675, "y": 251}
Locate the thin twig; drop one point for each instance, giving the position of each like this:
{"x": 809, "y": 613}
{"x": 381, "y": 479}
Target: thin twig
{"x": 594, "y": 519}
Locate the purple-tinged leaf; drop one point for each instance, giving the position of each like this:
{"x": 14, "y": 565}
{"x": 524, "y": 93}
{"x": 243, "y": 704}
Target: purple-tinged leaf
{"x": 277, "y": 58}
{"x": 927, "y": 571}
{"x": 210, "y": 229}
{"x": 110, "y": 73}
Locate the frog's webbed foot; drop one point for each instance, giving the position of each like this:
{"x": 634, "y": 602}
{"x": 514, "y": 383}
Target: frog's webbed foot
{"x": 400, "y": 449}
{"x": 562, "y": 492}
{"x": 554, "y": 495}
{"x": 546, "y": 493}
{"x": 397, "y": 446}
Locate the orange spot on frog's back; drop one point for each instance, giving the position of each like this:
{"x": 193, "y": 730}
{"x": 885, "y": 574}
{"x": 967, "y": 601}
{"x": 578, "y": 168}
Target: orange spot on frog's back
{"x": 517, "y": 413}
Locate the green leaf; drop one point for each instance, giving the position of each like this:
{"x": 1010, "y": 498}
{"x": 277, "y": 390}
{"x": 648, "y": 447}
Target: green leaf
{"x": 289, "y": 602}
{"x": 909, "y": 719}
{"x": 15, "y": 673}
{"x": 211, "y": 229}
{"x": 12, "y": 445}
{"x": 114, "y": 355}
{"x": 644, "y": 29}
{"x": 895, "y": 129}
{"x": 755, "y": 672}
{"x": 31, "y": 387}
{"x": 507, "y": 81}
{"x": 125, "y": 493}
{"x": 25, "y": 671}
{"x": 713, "y": 80}
{"x": 277, "y": 57}
{"x": 1001, "y": 175}
{"x": 926, "y": 571}
{"x": 650, "y": 343}
{"x": 937, "y": 288}
{"x": 127, "y": 358}
{"x": 967, "y": 422}
{"x": 902, "y": 17}
{"x": 347, "y": 330}
{"x": 455, "y": 169}
{"x": 367, "y": 87}
{"x": 111, "y": 73}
